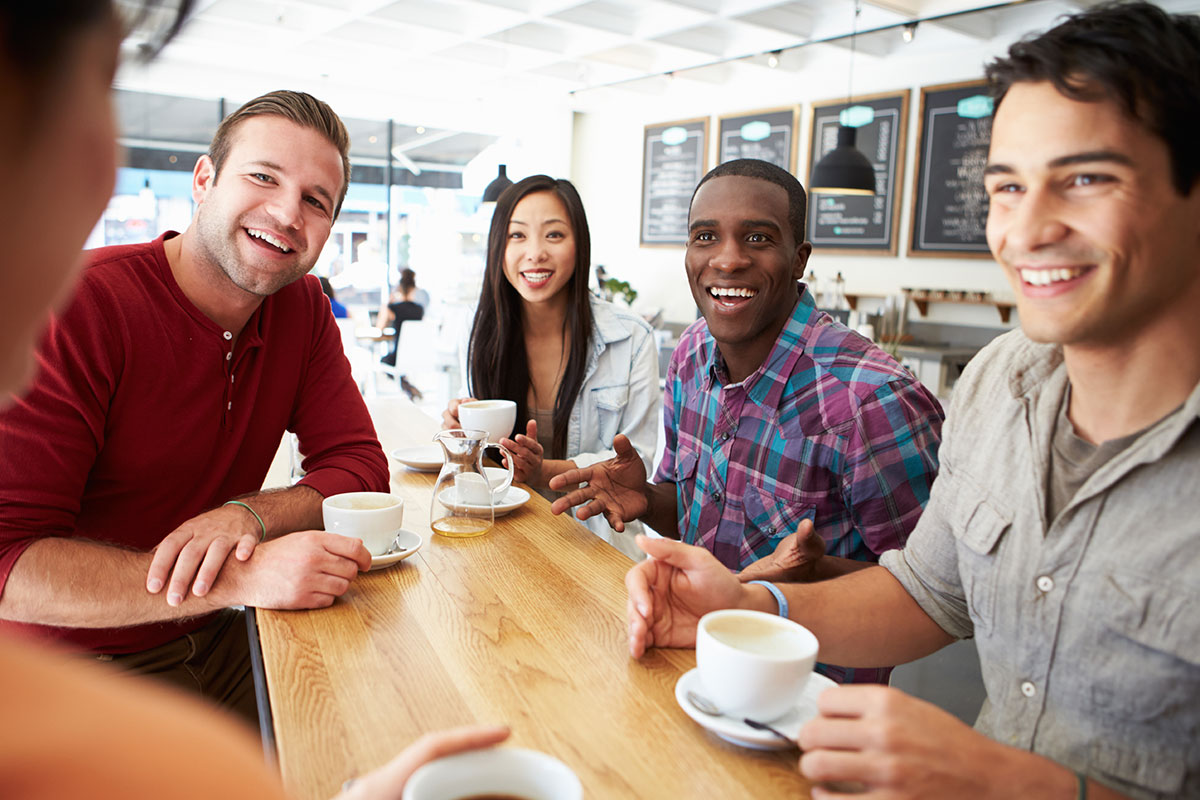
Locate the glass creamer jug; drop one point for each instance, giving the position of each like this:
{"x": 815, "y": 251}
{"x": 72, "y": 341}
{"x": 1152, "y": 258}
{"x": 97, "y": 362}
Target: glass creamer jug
{"x": 463, "y": 501}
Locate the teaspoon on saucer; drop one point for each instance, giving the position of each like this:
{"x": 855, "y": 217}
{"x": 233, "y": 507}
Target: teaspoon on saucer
{"x": 706, "y": 706}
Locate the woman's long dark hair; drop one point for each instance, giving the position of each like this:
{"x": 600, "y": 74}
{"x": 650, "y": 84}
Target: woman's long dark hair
{"x": 497, "y": 364}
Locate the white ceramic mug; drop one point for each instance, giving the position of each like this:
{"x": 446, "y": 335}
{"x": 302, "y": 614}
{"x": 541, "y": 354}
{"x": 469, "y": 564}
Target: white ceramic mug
{"x": 374, "y": 517}
{"x": 496, "y": 417}
{"x": 527, "y": 774}
{"x": 753, "y": 664}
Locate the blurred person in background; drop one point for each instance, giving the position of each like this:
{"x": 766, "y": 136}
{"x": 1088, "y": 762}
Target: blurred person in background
{"x": 407, "y": 303}
{"x": 339, "y": 310}
{"x": 581, "y": 370}
{"x": 73, "y": 728}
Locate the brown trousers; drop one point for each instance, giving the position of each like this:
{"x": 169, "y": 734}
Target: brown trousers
{"x": 213, "y": 662}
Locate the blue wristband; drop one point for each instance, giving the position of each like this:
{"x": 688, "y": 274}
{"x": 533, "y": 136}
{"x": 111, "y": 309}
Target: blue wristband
{"x": 779, "y": 598}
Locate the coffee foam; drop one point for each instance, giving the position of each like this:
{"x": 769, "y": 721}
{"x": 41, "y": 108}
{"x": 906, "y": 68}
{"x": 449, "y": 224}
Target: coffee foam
{"x": 757, "y": 636}
{"x": 364, "y": 503}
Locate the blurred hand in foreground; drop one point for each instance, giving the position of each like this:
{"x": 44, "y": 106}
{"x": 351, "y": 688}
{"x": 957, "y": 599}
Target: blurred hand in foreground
{"x": 387, "y": 782}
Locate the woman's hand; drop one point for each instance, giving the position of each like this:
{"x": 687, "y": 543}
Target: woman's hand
{"x": 527, "y": 456}
{"x": 450, "y": 415}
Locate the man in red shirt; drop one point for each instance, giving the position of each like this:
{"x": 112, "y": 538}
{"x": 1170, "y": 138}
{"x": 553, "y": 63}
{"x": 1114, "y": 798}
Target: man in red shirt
{"x": 164, "y": 388}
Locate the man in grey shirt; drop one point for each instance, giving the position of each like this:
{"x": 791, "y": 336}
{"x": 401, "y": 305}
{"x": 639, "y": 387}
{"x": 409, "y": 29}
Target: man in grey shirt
{"x": 1062, "y": 531}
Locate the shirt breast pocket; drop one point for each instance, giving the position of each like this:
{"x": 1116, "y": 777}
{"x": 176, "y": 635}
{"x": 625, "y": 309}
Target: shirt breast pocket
{"x": 609, "y": 402}
{"x": 979, "y": 537}
{"x": 1145, "y": 680}
{"x": 686, "y": 460}
{"x": 772, "y": 515}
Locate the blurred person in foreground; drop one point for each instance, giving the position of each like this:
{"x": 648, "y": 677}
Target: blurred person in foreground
{"x": 73, "y": 729}
{"x": 132, "y": 519}
{"x": 786, "y": 432}
{"x": 581, "y": 370}
{"x": 1062, "y": 530}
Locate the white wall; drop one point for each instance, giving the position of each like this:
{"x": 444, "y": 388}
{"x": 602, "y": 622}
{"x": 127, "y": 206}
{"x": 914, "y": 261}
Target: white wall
{"x": 607, "y": 163}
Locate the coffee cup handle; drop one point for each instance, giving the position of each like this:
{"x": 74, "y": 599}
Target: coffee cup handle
{"x": 508, "y": 459}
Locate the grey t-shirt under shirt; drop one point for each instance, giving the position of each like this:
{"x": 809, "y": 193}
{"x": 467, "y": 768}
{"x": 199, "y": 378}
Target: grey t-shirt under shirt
{"x": 1074, "y": 459}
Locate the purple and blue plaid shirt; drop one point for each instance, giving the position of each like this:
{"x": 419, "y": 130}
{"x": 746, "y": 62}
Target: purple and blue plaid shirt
{"x": 829, "y": 428}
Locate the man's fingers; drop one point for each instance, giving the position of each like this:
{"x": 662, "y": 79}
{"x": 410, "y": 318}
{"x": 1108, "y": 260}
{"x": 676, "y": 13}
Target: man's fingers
{"x": 853, "y": 701}
{"x": 571, "y": 476}
{"x": 185, "y": 569}
{"x": 637, "y": 584}
{"x": 245, "y": 546}
{"x": 833, "y": 733}
{"x": 622, "y": 446}
{"x": 164, "y": 558}
{"x": 677, "y": 554}
{"x": 571, "y": 499}
{"x": 214, "y": 559}
{"x": 843, "y": 766}
{"x": 347, "y": 547}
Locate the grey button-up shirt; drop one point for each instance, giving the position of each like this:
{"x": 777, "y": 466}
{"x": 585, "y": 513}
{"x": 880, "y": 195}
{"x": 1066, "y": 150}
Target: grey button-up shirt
{"x": 1088, "y": 626}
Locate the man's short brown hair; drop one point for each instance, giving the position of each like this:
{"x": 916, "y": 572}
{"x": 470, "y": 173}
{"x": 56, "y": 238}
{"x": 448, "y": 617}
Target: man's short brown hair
{"x": 299, "y": 107}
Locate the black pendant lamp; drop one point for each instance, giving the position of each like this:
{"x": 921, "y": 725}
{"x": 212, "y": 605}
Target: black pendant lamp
{"x": 494, "y": 189}
{"x": 844, "y": 169}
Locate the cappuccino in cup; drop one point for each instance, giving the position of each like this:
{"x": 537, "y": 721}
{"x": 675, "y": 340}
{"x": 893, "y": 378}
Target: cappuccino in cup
{"x": 753, "y": 664}
{"x": 374, "y": 517}
{"x": 496, "y": 417}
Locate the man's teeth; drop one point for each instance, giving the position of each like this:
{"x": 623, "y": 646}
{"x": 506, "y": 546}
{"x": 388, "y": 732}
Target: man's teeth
{"x": 721, "y": 291}
{"x": 1045, "y": 277}
{"x": 269, "y": 239}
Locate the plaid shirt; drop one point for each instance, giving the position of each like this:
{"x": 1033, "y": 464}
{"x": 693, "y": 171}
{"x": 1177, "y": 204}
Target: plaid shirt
{"x": 829, "y": 428}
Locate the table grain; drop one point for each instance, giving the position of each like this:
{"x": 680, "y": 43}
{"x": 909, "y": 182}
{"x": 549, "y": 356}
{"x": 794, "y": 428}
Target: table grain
{"x": 523, "y": 626}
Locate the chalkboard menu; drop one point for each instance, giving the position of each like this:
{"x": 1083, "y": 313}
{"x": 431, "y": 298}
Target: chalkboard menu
{"x": 674, "y": 156}
{"x": 767, "y": 135}
{"x": 855, "y": 222}
{"x": 950, "y": 205}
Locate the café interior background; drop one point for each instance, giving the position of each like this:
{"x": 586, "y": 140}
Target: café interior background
{"x": 563, "y": 87}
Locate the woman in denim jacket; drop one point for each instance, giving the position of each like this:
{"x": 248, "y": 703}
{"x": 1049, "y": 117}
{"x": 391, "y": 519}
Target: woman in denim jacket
{"x": 579, "y": 369}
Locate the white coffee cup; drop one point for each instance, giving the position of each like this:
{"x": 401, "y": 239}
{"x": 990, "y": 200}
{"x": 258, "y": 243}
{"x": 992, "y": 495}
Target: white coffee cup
{"x": 497, "y": 417}
{"x": 753, "y": 664}
{"x": 527, "y": 774}
{"x": 374, "y": 517}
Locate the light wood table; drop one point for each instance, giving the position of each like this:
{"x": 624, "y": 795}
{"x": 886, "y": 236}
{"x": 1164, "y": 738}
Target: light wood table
{"x": 524, "y": 626}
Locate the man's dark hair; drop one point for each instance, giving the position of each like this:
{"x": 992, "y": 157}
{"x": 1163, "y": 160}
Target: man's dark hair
{"x": 765, "y": 170}
{"x": 1133, "y": 53}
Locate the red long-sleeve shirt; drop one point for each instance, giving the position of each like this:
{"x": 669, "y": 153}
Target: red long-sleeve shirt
{"x": 145, "y": 413}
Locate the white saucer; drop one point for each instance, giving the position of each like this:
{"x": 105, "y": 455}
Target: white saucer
{"x": 513, "y": 499}
{"x": 737, "y": 732}
{"x": 409, "y": 541}
{"x": 426, "y": 458}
